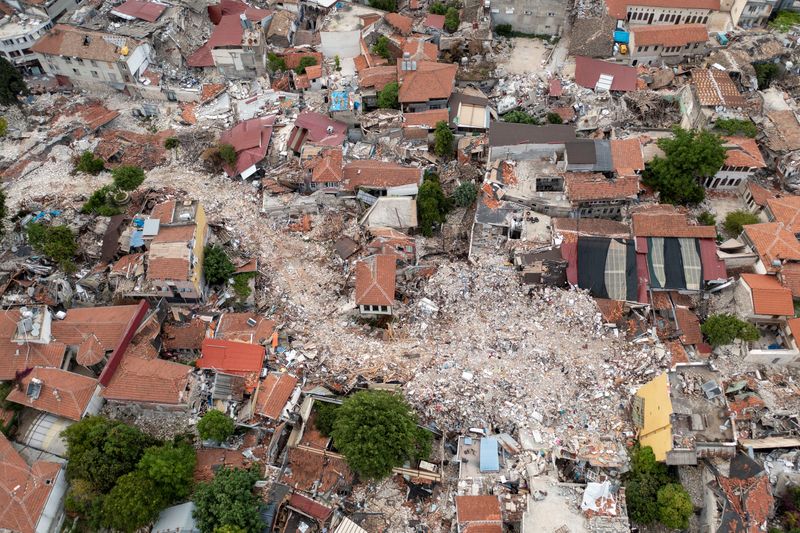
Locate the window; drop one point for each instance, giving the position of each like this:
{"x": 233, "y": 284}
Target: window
{"x": 68, "y": 60}
{"x": 93, "y": 62}
{"x": 79, "y": 60}
{"x": 94, "y": 74}
{"x": 551, "y": 14}
{"x": 529, "y": 12}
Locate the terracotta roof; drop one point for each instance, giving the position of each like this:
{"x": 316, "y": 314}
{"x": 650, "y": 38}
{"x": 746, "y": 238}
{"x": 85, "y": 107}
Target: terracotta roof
{"x": 314, "y": 71}
{"x": 785, "y": 209}
{"x": 62, "y": 393}
{"x": 769, "y": 296}
{"x": 666, "y": 221}
{"x": 420, "y": 49}
{"x": 164, "y": 211}
{"x": 273, "y": 393}
{"x": 715, "y": 87}
{"x": 759, "y": 193}
{"x": 316, "y": 126}
{"x": 329, "y": 167}
{"x": 24, "y": 490}
{"x": 234, "y": 327}
{"x": 70, "y": 41}
{"x": 612, "y": 310}
{"x": 377, "y": 77}
{"x": 228, "y": 32}
{"x": 478, "y": 509}
{"x": 773, "y": 242}
{"x": 749, "y": 497}
{"x": 401, "y": 23}
{"x": 569, "y": 228}
{"x": 209, "y": 459}
{"x": 149, "y": 381}
{"x": 431, "y": 81}
{"x": 149, "y": 11}
{"x": 371, "y": 173}
{"x": 230, "y": 356}
{"x": 669, "y": 34}
{"x": 90, "y": 351}
{"x": 168, "y": 268}
{"x": 789, "y": 277}
{"x": 583, "y": 186}
{"x": 434, "y": 21}
{"x": 626, "y": 155}
{"x": 308, "y": 471}
{"x": 743, "y": 152}
{"x": 309, "y": 507}
{"x": 375, "y": 280}
{"x": 183, "y": 233}
{"x": 292, "y": 58}
{"x": 189, "y": 336}
{"x": 689, "y": 324}
{"x": 588, "y": 71}
{"x": 128, "y": 264}
{"x": 619, "y": 8}
{"x": 428, "y": 118}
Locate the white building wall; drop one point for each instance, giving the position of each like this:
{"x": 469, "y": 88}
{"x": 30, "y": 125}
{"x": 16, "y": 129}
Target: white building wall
{"x": 53, "y": 514}
{"x": 661, "y": 15}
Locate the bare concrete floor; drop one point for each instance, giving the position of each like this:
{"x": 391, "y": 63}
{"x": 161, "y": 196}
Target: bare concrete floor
{"x": 526, "y": 57}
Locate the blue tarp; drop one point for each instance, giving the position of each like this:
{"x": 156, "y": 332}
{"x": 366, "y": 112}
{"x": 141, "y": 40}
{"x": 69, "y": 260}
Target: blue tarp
{"x": 621, "y": 37}
{"x": 137, "y": 239}
{"x": 340, "y": 101}
{"x": 41, "y": 214}
{"x": 489, "y": 455}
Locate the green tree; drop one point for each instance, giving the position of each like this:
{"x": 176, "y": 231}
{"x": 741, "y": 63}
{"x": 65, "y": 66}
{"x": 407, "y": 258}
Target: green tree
{"x": 276, "y": 63}
{"x": 736, "y": 220}
{"x": 217, "y": 268}
{"x": 171, "y": 467}
{"x": 438, "y": 8}
{"x": 134, "y": 502}
{"x": 725, "y": 328}
{"x": 451, "y": 19}
{"x": 215, "y": 425}
{"x": 101, "y": 451}
{"x": 674, "y": 506}
{"x": 690, "y": 155}
{"x": 504, "y": 30}
{"x": 56, "y": 242}
{"x": 706, "y": 219}
{"x": 325, "y": 416}
{"x": 465, "y": 194}
{"x": 385, "y": 5}
{"x": 736, "y": 126}
{"x": 519, "y": 116}
{"x": 387, "y": 97}
{"x": 3, "y": 126}
{"x": 171, "y": 143}
{"x": 642, "y": 484}
{"x": 228, "y": 154}
{"x": 305, "y": 61}
{"x": 12, "y": 84}
{"x": 89, "y": 164}
{"x": 554, "y": 118}
{"x": 377, "y": 431}
{"x": 84, "y": 500}
{"x": 99, "y": 203}
{"x": 229, "y": 529}
{"x": 785, "y": 20}
{"x": 432, "y": 206}
{"x": 381, "y": 47}
{"x": 443, "y": 139}
{"x": 337, "y": 63}
{"x": 127, "y": 177}
{"x": 228, "y": 500}
{"x": 765, "y": 74}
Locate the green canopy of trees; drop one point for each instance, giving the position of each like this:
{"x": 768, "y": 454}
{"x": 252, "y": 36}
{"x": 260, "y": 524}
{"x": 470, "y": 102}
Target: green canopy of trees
{"x": 228, "y": 500}
{"x": 554, "y": 118}
{"x": 735, "y": 127}
{"x": 451, "y": 19}
{"x": 735, "y": 221}
{"x": 652, "y": 493}
{"x": 519, "y": 116}
{"x": 217, "y": 267}
{"x": 765, "y": 74}
{"x": 387, "y": 97}
{"x": 134, "y": 501}
{"x": 127, "y": 177}
{"x": 377, "y": 431}
{"x": 437, "y": 8}
{"x": 385, "y": 5}
{"x": 89, "y": 164}
{"x": 12, "y": 84}
{"x": 276, "y": 63}
{"x": 215, "y": 425}
{"x": 325, "y": 416}
{"x": 432, "y": 205}
{"x": 689, "y": 156}
{"x": 725, "y": 328}
{"x": 381, "y": 47}
{"x": 443, "y": 139}
{"x": 56, "y": 242}
{"x": 465, "y": 194}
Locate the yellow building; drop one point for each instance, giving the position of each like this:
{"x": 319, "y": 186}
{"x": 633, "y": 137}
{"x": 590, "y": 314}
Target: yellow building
{"x": 652, "y": 413}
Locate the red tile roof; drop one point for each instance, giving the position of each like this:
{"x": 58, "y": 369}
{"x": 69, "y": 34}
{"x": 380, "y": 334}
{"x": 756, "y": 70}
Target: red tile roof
{"x": 24, "y": 490}
{"x": 786, "y": 209}
{"x": 375, "y": 280}
{"x": 180, "y": 234}
{"x": 234, "y": 327}
{"x": 666, "y": 221}
{"x": 434, "y": 21}
{"x": 371, "y": 173}
{"x": 584, "y": 186}
{"x": 789, "y": 277}
{"x": 478, "y": 509}
{"x": 329, "y": 167}
{"x": 689, "y": 324}
{"x": 90, "y": 351}
{"x": 668, "y": 34}
{"x": 773, "y": 242}
{"x": 164, "y": 211}
{"x": 292, "y": 58}
{"x": 769, "y": 296}
{"x": 715, "y": 87}
{"x": 63, "y": 393}
{"x": 554, "y": 88}
{"x": 187, "y": 336}
{"x": 168, "y": 268}
{"x": 227, "y": 33}
{"x": 759, "y": 193}
{"x": 626, "y": 155}
{"x": 70, "y": 41}
{"x": 230, "y": 356}
{"x": 428, "y": 118}
{"x": 149, "y": 11}
{"x": 420, "y": 49}
{"x": 152, "y": 381}
{"x": 431, "y": 81}
{"x": 377, "y": 77}
{"x": 401, "y": 23}
{"x": 309, "y": 507}
{"x": 619, "y": 8}
{"x": 743, "y": 152}
{"x": 250, "y": 139}
{"x": 273, "y": 393}
{"x": 588, "y": 71}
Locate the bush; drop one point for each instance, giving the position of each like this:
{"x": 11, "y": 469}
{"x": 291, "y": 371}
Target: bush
{"x": 127, "y": 177}
{"x": 451, "y": 19}
{"x": 381, "y": 47}
{"x": 734, "y": 127}
{"x": 554, "y": 118}
{"x": 241, "y": 285}
{"x": 337, "y": 63}
{"x": 56, "y": 242}
{"x": 3, "y": 126}
{"x": 385, "y": 5}
{"x": 171, "y": 143}
{"x": 12, "y": 84}
{"x": 305, "y": 61}
{"x": 134, "y": 502}
{"x": 443, "y": 139}
{"x": 725, "y": 328}
{"x": 215, "y": 425}
{"x": 377, "y": 431}
{"x": 465, "y": 194}
{"x": 432, "y": 206}
{"x": 765, "y": 74}
{"x": 438, "y": 8}
{"x": 706, "y": 219}
{"x": 736, "y": 220}
{"x": 228, "y": 154}
{"x": 387, "y": 97}
{"x": 504, "y": 30}
{"x": 276, "y": 63}
{"x": 674, "y": 506}
{"x": 216, "y": 265}
{"x": 89, "y": 164}
{"x": 98, "y": 203}
{"x": 326, "y": 416}
{"x": 228, "y": 501}
{"x": 519, "y": 116}
{"x": 785, "y": 20}
{"x": 642, "y": 484}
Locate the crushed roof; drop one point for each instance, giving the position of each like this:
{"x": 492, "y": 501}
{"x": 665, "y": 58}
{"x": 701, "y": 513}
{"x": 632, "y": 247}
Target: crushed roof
{"x": 273, "y": 393}
{"x": 328, "y": 169}
{"x": 234, "y": 327}
{"x": 760, "y": 194}
{"x": 69, "y": 41}
{"x": 378, "y": 77}
{"x": 789, "y": 276}
{"x": 310, "y": 507}
{"x": 669, "y": 34}
{"x": 769, "y": 296}
{"x": 785, "y": 209}
{"x": 583, "y": 186}
{"x": 743, "y": 152}
{"x": 184, "y": 336}
{"x": 511, "y": 134}
{"x": 372, "y": 173}
{"x": 317, "y": 124}
{"x": 250, "y": 139}
{"x": 715, "y": 87}
{"x": 63, "y": 393}
{"x": 375, "y": 280}
{"x": 149, "y": 11}
{"x": 308, "y": 471}
{"x": 430, "y": 81}
{"x": 749, "y": 497}
{"x": 689, "y": 325}
{"x": 588, "y": 71}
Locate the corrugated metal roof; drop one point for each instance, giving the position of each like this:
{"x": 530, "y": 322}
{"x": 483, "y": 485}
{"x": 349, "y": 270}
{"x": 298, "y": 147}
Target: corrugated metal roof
{"x": 489, "y": 455}
{"x": 348, "y": 526}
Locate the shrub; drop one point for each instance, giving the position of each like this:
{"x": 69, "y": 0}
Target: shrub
{"x": 437, "y": 8}
{"x": 12, "y": 84}
{"x": 674, "y": 506}
{"x": 736, "y": 220}
{"x": 519, "y": 116}
{"x": 305, "y": 61}
{"x": 385, "y": 5}
{"x": 241, "y": 285}
{"x": 98, "y": 203}
{"x": 228, "y": 154}
{"x": 217, "y": 267}
{"x": 443, "y": 139}
{"x": 765, "y": 74}
{"x": 387, "y": 97}
{"x": 735, "y": 126}
{"x": 725, "y": 328}
{"x": 504, "y": 30}
{"x": 381, "y": 47}
{"x": 171, "y": 143}
{"x": 451, "y": 19}
{"x": 465, "y": 194}
{"x": 337, "y": 63}
{"x": 276, "y": 63}
{"x": 432, "y": 206}
{"x": 215, "y": 425}
{"x": 3, "y": 126}
{"x": 56, "y": 242}
{"x": 89, "y": 164}
{"x": 228, "y": 501}
{"x": 127, "y": 177}
{"x": 785, "y": 20}
{"x": 706, "y": 219}
{"x": 554, "y": 118}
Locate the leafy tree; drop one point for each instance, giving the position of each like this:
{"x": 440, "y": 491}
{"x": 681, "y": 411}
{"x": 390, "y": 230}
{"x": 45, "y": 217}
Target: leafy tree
{"x": 215, "y": 425}
{"x": 385, "y": 5}
{"x": 504, "y": 30}
{"x": 387, "y": 97}
{"x": 736, "y": 220}
{"x": 765, "y": 74}
{"x": 736, "y": 126}
{"x": 305, "y": 61}
{"x": 241, "y": 285}
{"x": 451, "y": 19}
{"x": 134, "y": 502}
{"x": 98, "y": 203}
{"x": 83, "y": 499}
{"x": 3, "y": 126}
{"x": 706, "y": 219}
{"x": 171, "y": 143}
{"x": 642, "y": 484}
{"x": 437, "y": 8}
{"x": 228, "y": 500}
{"x": 12, "y": 85}
{"x": 56, "y": 242}
{"x": 377, "y": 431}
{"x": 228, "y": 154}
{"x": 674, "y": 506}
{"x": 337, "y": 63}
{"x": 276, "y": 63}
{"x": 432, "y": 206}
{"x": 725, "y": 328}
{"x": 127, "y": 177}
{"x": 171, "y": 467}
{"x": 381, "y": 47}
{"x": 465, "y": 194}
{"x": 785, "y": 20}
{"x": 554, "y": 118}
{"x": 229, "y": 529}
{"x": 520, "y": 117}
{"x": 690, "y": 155}
{"x": 326, "y": 416}
{"x": 217, "y": 267}
{"x": 101, "y": 451}
{"x": 90, "y": 164}
{"x": 442, "y": 139}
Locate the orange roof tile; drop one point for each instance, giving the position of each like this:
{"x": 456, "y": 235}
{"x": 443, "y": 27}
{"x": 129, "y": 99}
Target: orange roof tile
{"x": 24, "y": 490}
{"x": 292, "y": 58}
{"x": 785, "y": 209}
{"x": 773, "y": 242}
{"x": 379, "y": 174}
{"x": 153, "y": 381}
{"x": 375, "y": 280}
{"x": 420, "y": 49}
{"x": 760, "y": 194}
{"x": 689, "y": 324}
{"x": 234, "y": 327}
{"x": 273, "y": 393}
{"x": 478, "y": 509}
{"x": 329, "y": 168}
{"x": 127, "y": 264}
{"x": 583, "y": 186}
{"x": 769, "y": 296}
{"x": 187, "y": 336}
{"x": 716, "y": 88}
{"x": 618, "y": 8}
{"x": 230, "y": 356}
{"x": 71, "y": 41}
{"x": 209, "y": 459}
{"x": 168, "y": 268}
{"x": 108, "y": 324}
{"x": 90, "y": 351}
{"x": 183, "y": 233}
{"x": 314, "y": 71}
{"x": 428, "y": 118}
{"x": 377, "y": 77}
{"x": 794, "y": 327}
{"x": 669, "y": 34}
{"x": 434, "y": 21}
{"x": 63, "y": 393}
{"x": 431, "y": 81}
{"x": 743, "y": 152}
{"x": 789, "y": 277}
{"x": 666, "y": 221}
{"x": 164, "y": 211}
{"x": 626, "y": 155}
{"x": 400, "y": 22}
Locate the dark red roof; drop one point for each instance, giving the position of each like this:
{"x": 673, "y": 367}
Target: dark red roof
{"x": 251, "y": 141}
{"x": 309, "y": 507}
{"x": 434, "y": 21}
{"x": 316, "y": 124}
{"x": 227, "y": 33}
{"x": 555, "y": 87}
{"x": 588, "y": 71}
{"x": 149, "y": 11}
